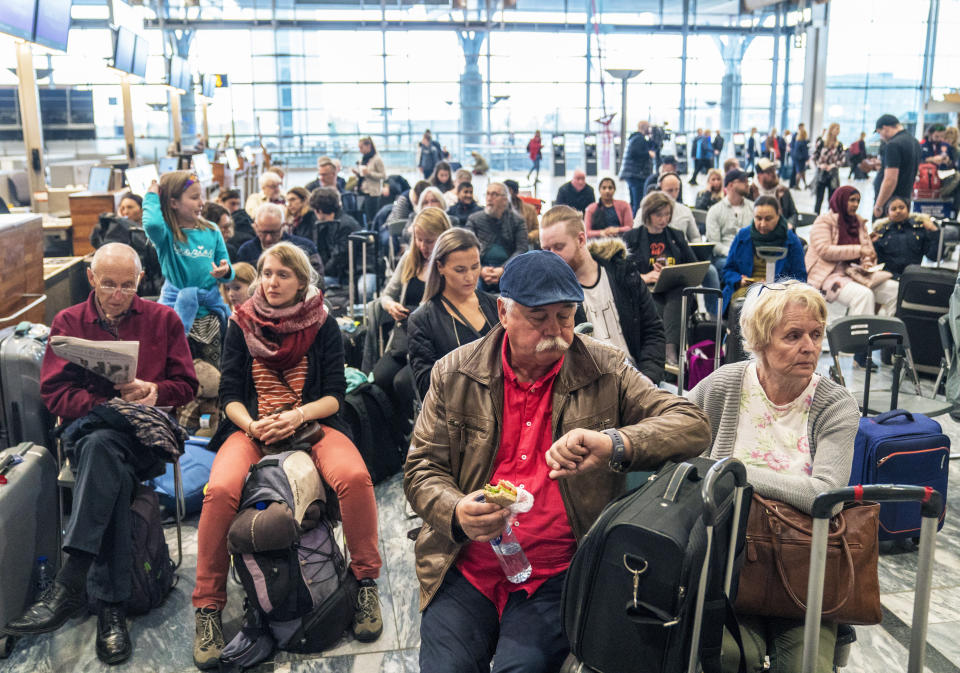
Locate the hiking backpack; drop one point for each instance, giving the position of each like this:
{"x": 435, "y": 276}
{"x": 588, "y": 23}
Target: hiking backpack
{"x": 153, "y": 571}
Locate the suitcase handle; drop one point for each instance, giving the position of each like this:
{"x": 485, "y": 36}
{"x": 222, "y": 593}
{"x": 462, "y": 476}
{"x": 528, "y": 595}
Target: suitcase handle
{"x": 890, "y": 415}
{"x": 931, "y": 500}
{"x": 700, "y": 289}
{"x": 720, "y": 469}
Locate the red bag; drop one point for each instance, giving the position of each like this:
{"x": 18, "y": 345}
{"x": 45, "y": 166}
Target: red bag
{"x": 927, "y": 185}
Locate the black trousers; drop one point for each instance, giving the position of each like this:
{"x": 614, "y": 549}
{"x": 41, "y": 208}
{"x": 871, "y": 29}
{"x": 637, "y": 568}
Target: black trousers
{"x": 668, "y": 306}
{"x": 100, "y": 524}
{"x": 393, "y": 376}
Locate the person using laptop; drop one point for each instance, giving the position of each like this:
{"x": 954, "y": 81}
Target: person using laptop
{"x": 654, "y": 246}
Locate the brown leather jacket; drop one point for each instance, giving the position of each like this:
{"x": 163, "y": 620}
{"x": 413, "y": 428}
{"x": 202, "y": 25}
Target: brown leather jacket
{"x": 458, "y": 433}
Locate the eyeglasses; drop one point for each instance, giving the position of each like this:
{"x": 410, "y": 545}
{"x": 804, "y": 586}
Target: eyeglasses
{"x": 126, "y": 289}
{"x": 771, "y": 286}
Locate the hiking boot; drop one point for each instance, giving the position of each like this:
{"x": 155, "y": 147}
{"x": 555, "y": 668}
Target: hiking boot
{"x": 367, "y": 622}
{"x": 208, "y": 639}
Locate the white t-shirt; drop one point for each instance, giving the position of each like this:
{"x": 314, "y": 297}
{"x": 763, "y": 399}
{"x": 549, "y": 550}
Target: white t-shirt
{"x": 770, "y": 435}
{"x": 601, "y": 310}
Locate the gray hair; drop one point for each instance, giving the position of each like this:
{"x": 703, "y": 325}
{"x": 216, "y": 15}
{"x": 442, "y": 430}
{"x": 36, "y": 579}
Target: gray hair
{"x": 116, "y": 250}
{"x": 269, "y": 177}
{"x": 431, "y": 190}
{"x": 764, "y": 307}
{"x": 506, "y": 192}
{"x": 269, "y": 210}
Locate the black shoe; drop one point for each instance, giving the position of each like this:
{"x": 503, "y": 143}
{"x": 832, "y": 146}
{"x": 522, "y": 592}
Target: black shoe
{"x": 54, "y": 607}
{"x": 113, "y": 639}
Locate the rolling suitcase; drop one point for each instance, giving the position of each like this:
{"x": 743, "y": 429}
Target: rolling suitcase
{"x": 24, "y": 416}
{"x": 923, "y": 297}
{"x": 651, "y": 585}
{"x": 694, "y": 361}
{"x": 931, "y": 503}
{"x": 28, "y": 526}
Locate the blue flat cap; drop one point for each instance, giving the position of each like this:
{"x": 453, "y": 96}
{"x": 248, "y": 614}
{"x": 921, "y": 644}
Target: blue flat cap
{"x": 538, "y": 278}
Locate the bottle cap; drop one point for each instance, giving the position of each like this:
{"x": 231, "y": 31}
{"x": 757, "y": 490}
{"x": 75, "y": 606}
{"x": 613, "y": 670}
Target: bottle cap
{"x": 41, "y": 559}
{"x": 261, "y": 505}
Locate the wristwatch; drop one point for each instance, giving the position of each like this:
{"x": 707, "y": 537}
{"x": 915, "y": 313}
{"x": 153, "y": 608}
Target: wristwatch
{"x": 618, "y": 457}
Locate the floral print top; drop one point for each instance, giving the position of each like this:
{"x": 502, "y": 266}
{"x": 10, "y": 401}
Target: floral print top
{"x": 770, "y": 435}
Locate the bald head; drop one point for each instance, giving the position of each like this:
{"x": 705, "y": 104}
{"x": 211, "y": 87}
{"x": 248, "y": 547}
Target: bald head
{"x": 117, "y": 255}
{"x": 579, "y": 180}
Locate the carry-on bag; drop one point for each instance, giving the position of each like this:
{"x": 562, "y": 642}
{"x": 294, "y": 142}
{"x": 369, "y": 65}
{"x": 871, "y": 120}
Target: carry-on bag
{"x": 687, "y": 381}
{"x": 25, "y": 417}
{"x": 28, "y": 527}
{"x": 195, "y": 465}
{"x": 931, "y": 503}
{"x": 650, "y": 587}
{"x": 923, "y": 297}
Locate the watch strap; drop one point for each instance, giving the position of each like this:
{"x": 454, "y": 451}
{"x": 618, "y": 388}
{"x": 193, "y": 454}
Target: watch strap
{"x": 618, "y": 455}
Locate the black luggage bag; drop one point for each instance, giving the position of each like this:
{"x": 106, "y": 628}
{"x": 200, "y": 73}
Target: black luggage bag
{"x": 923, "y": 297}
{"x": 652, "y": 584}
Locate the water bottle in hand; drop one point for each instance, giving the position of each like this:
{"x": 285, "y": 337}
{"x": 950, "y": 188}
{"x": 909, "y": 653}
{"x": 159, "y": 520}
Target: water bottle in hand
{"x": 510, "y": 555}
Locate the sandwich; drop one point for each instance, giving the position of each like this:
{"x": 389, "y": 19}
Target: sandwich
{"x": 503, "y": 494}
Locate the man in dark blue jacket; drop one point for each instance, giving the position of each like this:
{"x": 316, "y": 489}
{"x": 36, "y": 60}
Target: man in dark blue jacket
{"x": 637, "y": 163}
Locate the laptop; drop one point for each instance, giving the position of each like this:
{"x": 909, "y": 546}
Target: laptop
{"x": 702, "y": 251}
{"x": 202, "y": 167}
{"x": 233, "y": 161}
{"x": 139, "y": 178}
{"x": 168, "y": 164}
{"x": 99, "y": 180}
{"x": 682, "y": 275}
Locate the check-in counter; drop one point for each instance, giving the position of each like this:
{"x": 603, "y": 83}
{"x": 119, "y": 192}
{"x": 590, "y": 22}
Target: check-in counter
{"x": 85, "y": 209}
{"x": 21, "y": 259}
{"x": 65, "y": 283}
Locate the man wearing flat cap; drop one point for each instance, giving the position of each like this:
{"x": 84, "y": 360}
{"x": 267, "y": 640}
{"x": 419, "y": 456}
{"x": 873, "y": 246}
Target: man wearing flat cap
{"x": 560, "y": 416}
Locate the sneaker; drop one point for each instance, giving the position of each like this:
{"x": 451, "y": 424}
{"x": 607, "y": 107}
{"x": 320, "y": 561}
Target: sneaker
{"x": 208, "y": 639}
{"x": 367, "y": 622}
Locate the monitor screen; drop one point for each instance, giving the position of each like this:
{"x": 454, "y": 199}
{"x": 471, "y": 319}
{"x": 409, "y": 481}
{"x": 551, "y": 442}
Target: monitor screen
{"x": 53, "y": 23}
{"x": 99, "y": 180}
{"x": 124, "y": 41}
{"x": 233, "y": 161}
{"x": 139, "y": 178}
{"x": 201, "y": 166}
{"x": 16, "y": 18}
{"x": 140, "y": 53}
{"x": 168, "y": 164}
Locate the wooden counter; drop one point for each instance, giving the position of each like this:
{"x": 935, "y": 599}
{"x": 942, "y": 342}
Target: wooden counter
{"x": 85, "y": 209}
{"x": 21, "y": 260}
{"x": 65, "y": 281}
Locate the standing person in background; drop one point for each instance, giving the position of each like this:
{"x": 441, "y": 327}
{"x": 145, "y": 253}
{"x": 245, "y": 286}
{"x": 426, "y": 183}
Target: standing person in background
{"x": 703, "y": 155}
{"x": 773, "y": 146}
{"x": 427, "y": 155}
{"x": 371, "y": 173}
{"x": 800, "y": 154}
{"x": 194, "y": 259}
{"x": 717, "y": 145}
{"x": 637, "y": 163}
{"x": 535, "y": 151}
{"x": 901, "y": 158}
{"x": 857, "y": 152}
{"x": 753, "y": 148}
{"x": 786, "y": 163}
{"x": 828, "y": 156}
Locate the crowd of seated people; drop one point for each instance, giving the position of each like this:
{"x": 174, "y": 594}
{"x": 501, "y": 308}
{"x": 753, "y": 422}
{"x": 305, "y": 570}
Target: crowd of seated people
{"x": 471, "y": 308}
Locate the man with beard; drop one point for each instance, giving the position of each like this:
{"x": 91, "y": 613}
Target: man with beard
{"x": 502, "y": 234}
{"x": 729, "y": 215}
{"x": 490, "y": 415}
{"x": 768, "y": 184}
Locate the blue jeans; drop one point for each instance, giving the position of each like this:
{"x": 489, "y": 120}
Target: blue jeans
{"x": 460, "y": 631}
{"x": 636, "y": 192}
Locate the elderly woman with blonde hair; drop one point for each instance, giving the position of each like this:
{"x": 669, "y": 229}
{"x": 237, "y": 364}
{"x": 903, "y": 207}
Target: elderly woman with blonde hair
{"x": 791, "y": 427}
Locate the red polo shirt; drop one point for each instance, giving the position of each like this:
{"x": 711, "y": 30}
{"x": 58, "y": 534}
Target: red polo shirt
{"x": 544, "y": 532}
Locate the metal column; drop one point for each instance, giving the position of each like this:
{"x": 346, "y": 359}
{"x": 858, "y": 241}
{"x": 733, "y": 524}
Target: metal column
{"x": 776, "y": 72}
{"x": 30, "y": 116}
{"x": 929, "y": 52}
{"x": 682, "y": 126}
{"x": 815, "y": 70}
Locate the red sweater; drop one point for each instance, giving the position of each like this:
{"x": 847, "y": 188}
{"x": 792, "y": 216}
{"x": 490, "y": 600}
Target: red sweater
{"x": 71, "y": 392}
{"x": 624, "y": 214}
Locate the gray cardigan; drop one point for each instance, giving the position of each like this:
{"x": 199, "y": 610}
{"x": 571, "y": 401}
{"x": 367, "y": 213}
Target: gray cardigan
{"x": 833, "y": 423}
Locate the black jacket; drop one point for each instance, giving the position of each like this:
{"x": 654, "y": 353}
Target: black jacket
{"x": 637, "y": 162}
{"x": 639, "y": 320}
{"x": 459, "y": 213}
{"x": 242, "y": 227}
{"x": 431, "y": 333}
{"x": 569, "y": 196}
{"x": 905, "y": 243}
{"x": 638, "y": 244}
{"x": 324, "y": 376}
{"x": 331, "y": 239}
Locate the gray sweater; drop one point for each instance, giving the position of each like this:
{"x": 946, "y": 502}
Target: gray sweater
{"x": 833, "y": 423}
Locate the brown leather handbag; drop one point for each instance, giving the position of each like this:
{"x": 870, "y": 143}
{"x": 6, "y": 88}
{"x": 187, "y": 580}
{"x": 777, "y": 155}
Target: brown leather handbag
{"x": 773, "y": 580}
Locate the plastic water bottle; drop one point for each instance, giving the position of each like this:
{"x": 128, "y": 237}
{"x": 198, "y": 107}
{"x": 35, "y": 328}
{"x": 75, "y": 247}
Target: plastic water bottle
{"x": 44, "y": 574}
{"x": 511, "y": 557}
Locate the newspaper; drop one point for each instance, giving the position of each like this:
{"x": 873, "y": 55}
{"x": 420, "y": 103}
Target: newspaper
{"x": 114, "y": 360}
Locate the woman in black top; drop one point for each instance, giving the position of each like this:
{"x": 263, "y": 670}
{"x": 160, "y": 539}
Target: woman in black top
{"x": 454, "y": 312}
{"x": 402, "y": 294}
{"x": 653, "y": 246}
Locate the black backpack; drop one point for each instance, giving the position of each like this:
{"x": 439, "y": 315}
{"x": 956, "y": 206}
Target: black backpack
{"x": 369, "y": 414}
{"x": 114, "y": 229}
{"x": 634, "y": 579}
{"x": 153, "y": 571}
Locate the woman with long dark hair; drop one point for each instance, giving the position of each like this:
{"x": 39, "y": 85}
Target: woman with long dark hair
{"x": 608, "y": 216}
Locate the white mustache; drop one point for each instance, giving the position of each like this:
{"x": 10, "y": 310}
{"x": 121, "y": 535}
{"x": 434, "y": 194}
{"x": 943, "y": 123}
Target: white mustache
{"x": 552, "y": 344}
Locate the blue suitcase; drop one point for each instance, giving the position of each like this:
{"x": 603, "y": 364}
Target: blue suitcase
{"x": 899, "y": 447}
{"x": 195, "y": 465}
